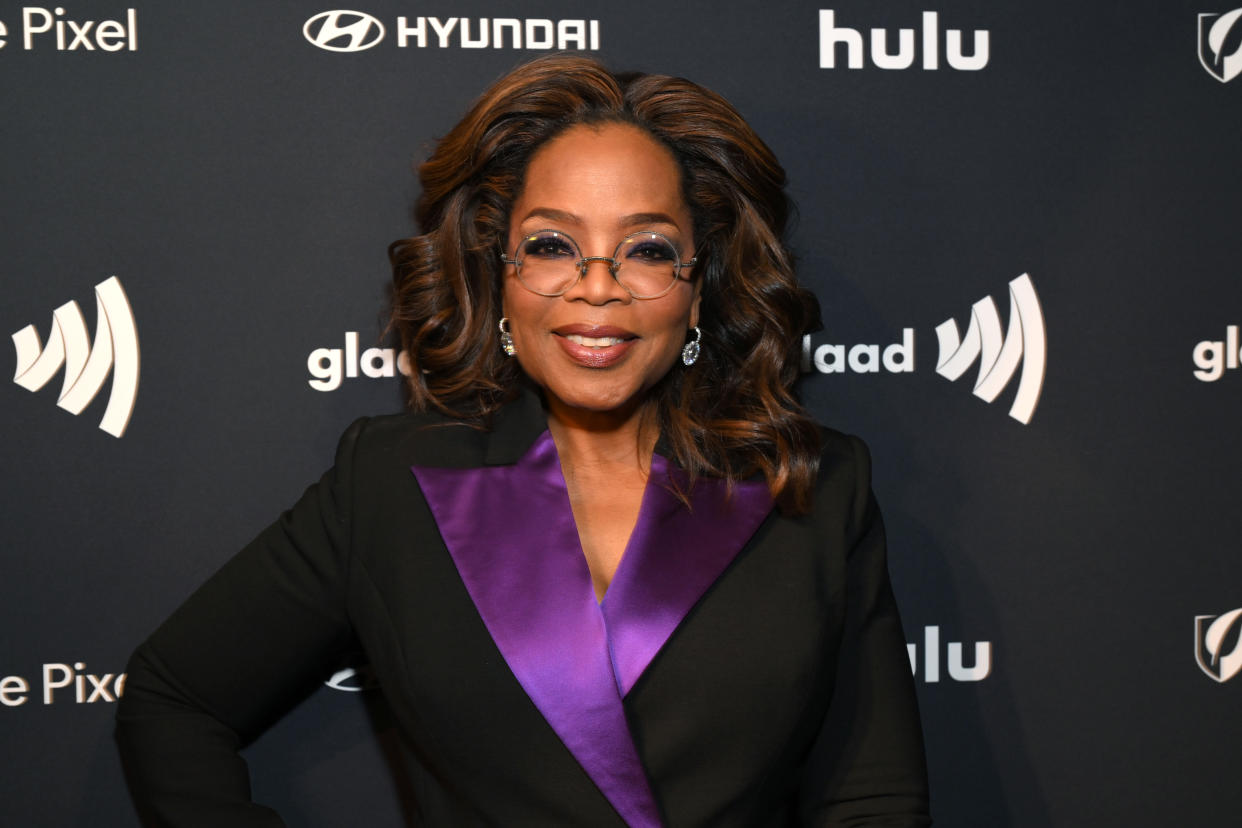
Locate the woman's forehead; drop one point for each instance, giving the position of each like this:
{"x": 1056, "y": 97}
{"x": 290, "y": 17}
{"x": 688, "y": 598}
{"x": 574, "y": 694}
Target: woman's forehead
{"x": 609, "y": 174}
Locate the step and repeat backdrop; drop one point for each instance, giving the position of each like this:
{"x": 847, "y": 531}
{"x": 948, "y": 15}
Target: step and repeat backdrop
{"x": 1024, "y": 223}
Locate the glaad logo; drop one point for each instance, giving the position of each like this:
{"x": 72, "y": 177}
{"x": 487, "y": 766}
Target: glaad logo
{"x": 327, "y": 366}
{"x": 980, "y": 670}
{"x": 1025, "y": 342}
{"x": 831, "y": 35}
{"x": 897, "y": 358}
{"x": 71, "y": 35}
{"x": 1218, "y": 32}
{"x": 1212, "y": 357}
{"x": 343, "y": 30}
{"x": 86, "y": 367}
{"x": 1211, "y": 640}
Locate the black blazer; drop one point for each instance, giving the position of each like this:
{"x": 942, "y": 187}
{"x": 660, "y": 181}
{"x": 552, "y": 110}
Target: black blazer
{"x": 784, "y": 698}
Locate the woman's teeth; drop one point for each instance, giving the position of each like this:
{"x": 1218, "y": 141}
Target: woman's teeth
{"x": 594, "y": 342}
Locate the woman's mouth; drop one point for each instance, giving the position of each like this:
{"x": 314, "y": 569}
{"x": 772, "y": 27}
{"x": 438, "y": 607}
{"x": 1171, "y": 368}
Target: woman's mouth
{"x": 595, "y": 347}
{"x": 594, "y": 341}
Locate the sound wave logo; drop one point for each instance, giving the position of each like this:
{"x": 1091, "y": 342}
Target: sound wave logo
{"x": 1210, "y": 642}
{"x": 1025, "y": 342}
{"x": 86, "y": 367}
{"x": 1218, "y": 32}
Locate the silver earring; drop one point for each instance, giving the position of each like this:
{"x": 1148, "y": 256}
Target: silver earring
{"x": 690, "y": 353}
{"x": 506, "y": 338}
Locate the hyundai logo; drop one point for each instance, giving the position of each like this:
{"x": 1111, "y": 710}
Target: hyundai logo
{"x": 343, "y": 31}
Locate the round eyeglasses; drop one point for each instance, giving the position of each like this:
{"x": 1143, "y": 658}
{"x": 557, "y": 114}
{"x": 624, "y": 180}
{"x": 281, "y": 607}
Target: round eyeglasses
{"x": 549, "y": 262}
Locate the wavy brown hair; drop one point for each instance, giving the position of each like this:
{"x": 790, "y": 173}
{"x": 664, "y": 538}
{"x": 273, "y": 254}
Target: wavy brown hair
{"x": 733, "y": 413}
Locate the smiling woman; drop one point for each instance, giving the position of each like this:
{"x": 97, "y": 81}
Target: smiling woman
{"x": 700, "y": 175}
{"x": 595, "y": 345}
{"x": 607, "y": 572}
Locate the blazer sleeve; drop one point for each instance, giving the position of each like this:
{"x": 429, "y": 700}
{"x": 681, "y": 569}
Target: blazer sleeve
{"x": 867, "y": 766}
{"x": 251, "y": 641}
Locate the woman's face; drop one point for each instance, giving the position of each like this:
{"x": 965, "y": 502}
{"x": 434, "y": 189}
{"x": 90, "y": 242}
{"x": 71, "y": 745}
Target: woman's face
{"x": 595, "y": 347}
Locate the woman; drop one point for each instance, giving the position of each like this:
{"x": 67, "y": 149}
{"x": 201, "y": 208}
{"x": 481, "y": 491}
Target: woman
{"x": 607, "y": 572}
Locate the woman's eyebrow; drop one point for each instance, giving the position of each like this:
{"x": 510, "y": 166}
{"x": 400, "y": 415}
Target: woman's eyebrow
{"x": 553, "y": 214}
{"x": 632, "y": 220}
{"x": 648, "y": 218}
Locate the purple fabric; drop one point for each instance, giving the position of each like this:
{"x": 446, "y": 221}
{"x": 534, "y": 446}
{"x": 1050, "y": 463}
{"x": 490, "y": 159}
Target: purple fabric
{"x": 672, "y": 558}
{"x": 512, "y": 536}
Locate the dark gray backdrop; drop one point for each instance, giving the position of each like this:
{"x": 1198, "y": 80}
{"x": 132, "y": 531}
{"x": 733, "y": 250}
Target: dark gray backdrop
{"x": 243, "y": 185}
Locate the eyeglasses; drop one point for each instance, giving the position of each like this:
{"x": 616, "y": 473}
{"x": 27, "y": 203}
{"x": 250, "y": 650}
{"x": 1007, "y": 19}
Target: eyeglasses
{"x": 549, "y": 262}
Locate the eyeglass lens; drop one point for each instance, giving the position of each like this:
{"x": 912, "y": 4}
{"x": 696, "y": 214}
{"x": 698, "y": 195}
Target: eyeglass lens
{"x": 549, "y": 262}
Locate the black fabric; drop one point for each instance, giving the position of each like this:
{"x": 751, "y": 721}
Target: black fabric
{"x": 785, "y": 697}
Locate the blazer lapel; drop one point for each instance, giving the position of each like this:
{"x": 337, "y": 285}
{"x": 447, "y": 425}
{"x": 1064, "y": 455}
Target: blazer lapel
{"x": 511, "y": 534}
{"x": 509, "y": 528}
{"x": 674, "y": 555}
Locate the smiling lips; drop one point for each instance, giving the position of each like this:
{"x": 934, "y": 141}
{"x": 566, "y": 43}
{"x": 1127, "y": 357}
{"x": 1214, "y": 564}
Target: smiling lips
{"x": 595, "y": 346}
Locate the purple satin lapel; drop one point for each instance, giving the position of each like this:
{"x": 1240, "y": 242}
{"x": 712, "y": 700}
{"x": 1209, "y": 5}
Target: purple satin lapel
{"x": 674, "y": 555}
{"x": 511, "y": 533}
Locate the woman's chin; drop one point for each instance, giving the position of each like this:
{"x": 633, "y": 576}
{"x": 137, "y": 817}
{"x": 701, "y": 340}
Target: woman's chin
{"x": 599, "y": 403}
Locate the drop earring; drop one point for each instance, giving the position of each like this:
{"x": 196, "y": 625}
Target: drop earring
{"x": 690, "y": 353}
{"x": 506, "y": 338}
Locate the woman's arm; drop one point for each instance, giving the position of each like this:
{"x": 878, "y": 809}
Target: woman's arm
{"x": 867, "y": 767}
{"x": 249, "y": 643}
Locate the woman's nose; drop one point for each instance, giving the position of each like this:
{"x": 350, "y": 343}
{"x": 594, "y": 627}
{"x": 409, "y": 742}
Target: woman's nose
{"x": 597, "y": 283}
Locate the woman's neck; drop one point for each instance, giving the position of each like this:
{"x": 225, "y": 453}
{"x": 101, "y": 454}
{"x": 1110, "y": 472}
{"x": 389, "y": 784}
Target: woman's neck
{"x": 596, "y": 441}
{"x": 606, "y": 460}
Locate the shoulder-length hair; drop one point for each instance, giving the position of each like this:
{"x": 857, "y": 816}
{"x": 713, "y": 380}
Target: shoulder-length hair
{"x": 733, "y": 413}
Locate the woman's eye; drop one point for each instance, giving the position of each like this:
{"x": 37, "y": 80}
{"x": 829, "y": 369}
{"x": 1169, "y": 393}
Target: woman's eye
{"x": 548, "y": 247}
{"x": 652, "y": 252}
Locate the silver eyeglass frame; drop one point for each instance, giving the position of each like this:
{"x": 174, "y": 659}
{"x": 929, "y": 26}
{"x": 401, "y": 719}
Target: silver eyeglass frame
{"x": 614, "y": 264}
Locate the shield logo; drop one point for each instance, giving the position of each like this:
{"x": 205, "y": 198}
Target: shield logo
{"x": 1214, "y": 634}
{"x": 1220, "y": 44}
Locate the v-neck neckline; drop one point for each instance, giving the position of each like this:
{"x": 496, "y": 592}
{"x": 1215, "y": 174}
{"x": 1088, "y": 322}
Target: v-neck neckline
{"x": 645, "y": 503}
